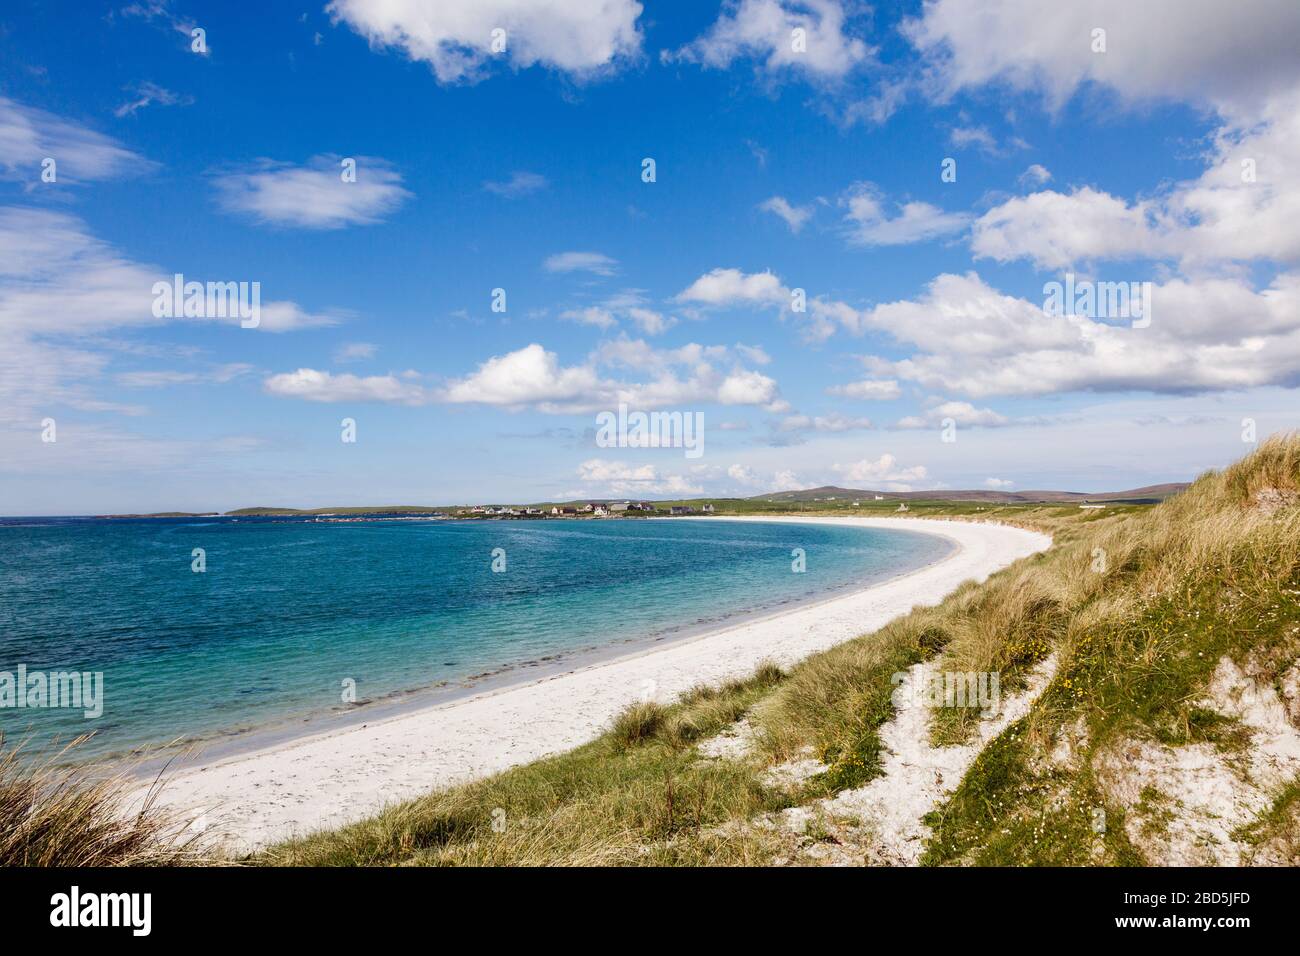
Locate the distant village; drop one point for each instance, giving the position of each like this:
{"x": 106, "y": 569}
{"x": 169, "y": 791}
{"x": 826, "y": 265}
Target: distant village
{"x": 592, "y": 509}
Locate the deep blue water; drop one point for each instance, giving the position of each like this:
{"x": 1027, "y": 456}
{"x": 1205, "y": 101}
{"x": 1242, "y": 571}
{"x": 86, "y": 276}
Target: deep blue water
{"x": 288, "y": 609}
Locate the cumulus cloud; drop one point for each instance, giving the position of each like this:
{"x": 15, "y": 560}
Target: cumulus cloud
{"x": 749, "y": 479}
{"x": 730, "y": 286}
{"x": 743, "y": 475}
{"x": 1230, "y": 57}
{"x": 998, "y": 484}
{"x": 869, "y": 223}
{"x": 796, "y": 217}
{"x": 28, "y": 136}
{"x": 789, "y": 481}
{"x": 1243, "y": 207}
{"x": 884, "y": 469}
{"x": 764, "y": 31}
{"x": 533, "y": 377}
{"x": 528, "y": 376}
{"x": 577, "y": 37}
{"x": 623, "y": 478}
{"x": 1209, "y": 334}
{"x": 313, "y": 196}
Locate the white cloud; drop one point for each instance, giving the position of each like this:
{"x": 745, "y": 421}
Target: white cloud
{"x": 870, "y": 389}
{"x": 60, "y": 289}
{"x": 621, "y": 478}
{"x": 1224, "y": 214}
{"x": 651, "y": 322}
{"x": 1229, "y": 56}
{"x": 528, "y": 376}
{"x": 520, "y": 183}
{"x": 28, "y": 136}
{"x": 751, "y": 480}
{"x": 593, "y": 262}
{"x": 796, "y": 217}
{"x": 355, "y": 352}
{"x": 314, "y": 196}
{"x": 763, "y": 30}
{"x": 628, "y": 305}
{"x": 789, "y": 481}
{"x": 57, "y": 278}
{"x": 961, "y": 413}
{"x": 315, "y": 386}
{"x": 579, "y": 37}
{"x": 164, "y": 378}
{"x": 748, "y": 388}
{"x": 641, "y": 355}
{"x": 883, "y": 469}
{"x": 998, "y": 484}
{"x": 731, "y": 286}
{"x": 834, "y": 422}
{"x": 743, "y": 475}
{"x": 592, "y": 315}
{"x": 1034, "y": 175}
{"x": 1058, "y": 230}
{"x": 870, "y": 224}
{"x": 534, "y": 377}
{"x": 161, "y": 10}
{"x": 147, "y": 94}
{"x": 1210, "y": 334}
{"x": 977, "y": 136}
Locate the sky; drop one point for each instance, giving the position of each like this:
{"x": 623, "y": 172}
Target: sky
{"x": 830, "y": 229}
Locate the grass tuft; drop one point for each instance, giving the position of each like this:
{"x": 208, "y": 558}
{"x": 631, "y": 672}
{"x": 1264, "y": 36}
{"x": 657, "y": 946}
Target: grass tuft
{"x": 55, "y": 815}
{"x": 639, "y": 723}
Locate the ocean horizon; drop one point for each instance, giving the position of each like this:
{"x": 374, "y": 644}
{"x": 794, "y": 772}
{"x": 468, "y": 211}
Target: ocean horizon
{"x": 290, "y": 620}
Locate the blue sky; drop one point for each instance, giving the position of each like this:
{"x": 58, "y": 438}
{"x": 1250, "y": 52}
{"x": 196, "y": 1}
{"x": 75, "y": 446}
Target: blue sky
{"x": 780, "y": 165}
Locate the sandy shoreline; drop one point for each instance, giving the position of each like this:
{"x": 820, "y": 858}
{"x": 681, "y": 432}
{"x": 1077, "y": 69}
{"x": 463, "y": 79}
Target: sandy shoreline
{"x": 333, "y": 778}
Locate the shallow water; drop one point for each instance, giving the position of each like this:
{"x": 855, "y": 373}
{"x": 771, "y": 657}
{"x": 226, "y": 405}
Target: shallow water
{"x": 289, "y": 611}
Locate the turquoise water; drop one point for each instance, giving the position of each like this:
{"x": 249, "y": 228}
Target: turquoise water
{"x": 288, "y": 609}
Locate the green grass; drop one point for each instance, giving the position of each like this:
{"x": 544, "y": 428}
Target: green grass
{"x": 1278, "y": 826}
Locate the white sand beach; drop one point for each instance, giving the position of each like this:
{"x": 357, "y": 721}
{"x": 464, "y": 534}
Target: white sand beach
{"x": 334, "y": 778}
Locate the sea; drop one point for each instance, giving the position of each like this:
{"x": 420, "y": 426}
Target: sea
{"x": 227, "y": 631}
